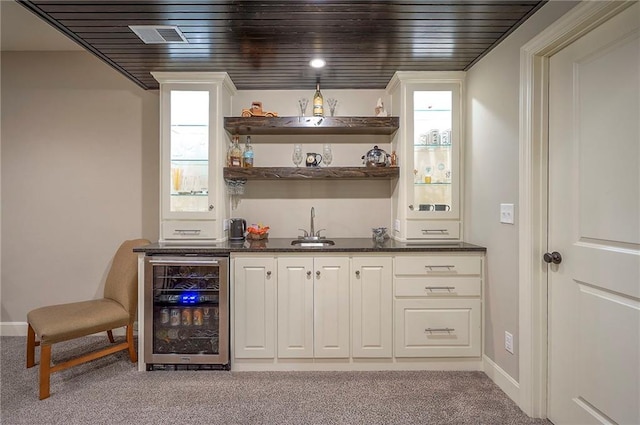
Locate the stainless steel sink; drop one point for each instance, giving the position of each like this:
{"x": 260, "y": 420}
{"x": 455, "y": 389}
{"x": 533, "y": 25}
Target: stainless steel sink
{"x": 317, "y": 242}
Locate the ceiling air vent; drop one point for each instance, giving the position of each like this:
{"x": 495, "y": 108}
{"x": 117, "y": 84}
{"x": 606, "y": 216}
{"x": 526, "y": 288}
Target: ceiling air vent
{"x": 158, "y": 34}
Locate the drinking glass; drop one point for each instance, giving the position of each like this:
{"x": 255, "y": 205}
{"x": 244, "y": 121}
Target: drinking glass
{"x": 327, "y": 155}
{"x": 332, "y": 105}
{"x": 303, "y": 106}
{"x": 297, "y": 155}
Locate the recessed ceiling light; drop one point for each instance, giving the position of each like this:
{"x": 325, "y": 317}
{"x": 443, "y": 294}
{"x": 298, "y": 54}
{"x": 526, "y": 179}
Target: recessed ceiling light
{"x": 317, "y": 63}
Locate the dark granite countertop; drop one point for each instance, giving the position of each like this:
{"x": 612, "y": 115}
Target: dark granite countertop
{"x": 284, "y": 245}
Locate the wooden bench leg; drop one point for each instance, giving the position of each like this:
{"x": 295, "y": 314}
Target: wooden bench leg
{"x": 45, "y": 370}
{"x": 31, "y": 347}
{"x": 132, "y": 349}
{"x": 110, "y": 335}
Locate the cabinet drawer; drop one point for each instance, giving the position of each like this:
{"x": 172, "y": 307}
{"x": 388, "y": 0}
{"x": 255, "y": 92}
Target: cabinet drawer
{"x": 437, "y": 328}
{"x": 429, "y": 265}
{"x": 422, "y": 229}
{"x": 438, "y": 287}
{"x": 179, "y": 229}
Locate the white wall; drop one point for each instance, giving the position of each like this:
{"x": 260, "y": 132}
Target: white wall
{"x": 491, "y": 164}
{"x": 343, "y": 208}
{"x": 79, "y": 175}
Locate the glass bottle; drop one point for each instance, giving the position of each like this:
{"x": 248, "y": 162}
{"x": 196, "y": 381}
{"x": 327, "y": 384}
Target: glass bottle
{"x": 318, "y": 102}
{"x": 235, "y": 155}
{"x": 247, "y": 156}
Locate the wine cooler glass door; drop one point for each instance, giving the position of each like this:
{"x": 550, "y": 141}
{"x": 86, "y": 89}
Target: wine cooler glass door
{"x": 187, "y": 311}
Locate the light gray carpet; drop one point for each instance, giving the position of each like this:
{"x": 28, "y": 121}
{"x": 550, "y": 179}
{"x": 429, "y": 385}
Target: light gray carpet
{"x": 111, "y": 391}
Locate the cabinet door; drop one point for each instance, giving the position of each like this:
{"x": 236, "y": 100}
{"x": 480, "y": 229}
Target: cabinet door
{"x": 437, "y": 328}
{"x": 188, "y": 128}
{"x": 331, "y": 306}
{"x": 295, "y": 307}
{"x": 254, "y": 307}
{"x": 371, "y": 306}
{"x": 433, "y": 139}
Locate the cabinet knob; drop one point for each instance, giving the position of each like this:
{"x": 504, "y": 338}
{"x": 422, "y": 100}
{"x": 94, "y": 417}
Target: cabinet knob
{"x": 357, "y": 273}
{"x": 318, "y": 273}
{"x": 309, "y": 273}
{"x": 210, "y": 207}
{"x": 411, "y": 207}
{"x": 268, "y": 273}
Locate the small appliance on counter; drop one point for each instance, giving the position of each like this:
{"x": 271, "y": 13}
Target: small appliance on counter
{"x": 237, "y": 229}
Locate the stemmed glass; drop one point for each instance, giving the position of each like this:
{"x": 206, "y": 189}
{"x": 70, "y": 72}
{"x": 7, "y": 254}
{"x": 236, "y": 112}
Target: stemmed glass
{"x": 327, "y": 155}
{"x": 297, "y": 155}
{"x": 332, "y": 105}
{"x": 303, "y": 106}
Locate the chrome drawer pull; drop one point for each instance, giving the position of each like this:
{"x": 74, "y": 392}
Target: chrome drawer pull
{"x": 432, "y": 330}
{"x": 439, "y": 231}
{"x": 431, "y": 288}
{"x": 194, "y": 261}
{"x": 187, "y": 231}
{"x": 448, "y": 267}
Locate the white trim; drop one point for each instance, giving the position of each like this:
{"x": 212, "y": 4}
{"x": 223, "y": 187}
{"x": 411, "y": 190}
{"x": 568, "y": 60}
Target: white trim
{"x": 351, "y": 364}
{"x": 13, "y": 329}
{"x": 532, "y": 213}
{"x": 502, "y": 379}
{"x": 20, "y": 329}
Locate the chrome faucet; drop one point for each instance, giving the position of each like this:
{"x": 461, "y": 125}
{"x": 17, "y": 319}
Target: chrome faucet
{"x": 312, "y": 228}
{"x": 311, "y": 234}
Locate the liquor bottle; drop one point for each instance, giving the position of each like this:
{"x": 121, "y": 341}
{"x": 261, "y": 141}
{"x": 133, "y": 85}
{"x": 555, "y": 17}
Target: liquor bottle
{"x": 318, "y": 102}
{"x": 247, "y": 155}
{"x": 235, "y": 154}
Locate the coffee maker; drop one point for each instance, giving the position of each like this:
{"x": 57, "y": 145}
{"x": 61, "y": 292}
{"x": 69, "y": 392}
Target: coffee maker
{"x": 237, "y": 229}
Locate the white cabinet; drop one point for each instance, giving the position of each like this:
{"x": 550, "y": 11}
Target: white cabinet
{"x": 313, "y": 307}
{"x": 438, "y": 305}
{"x": 358, "y": 311}
{"x": 254, "y": 307}
{"x": 371, "y": 307}
{"x": 427, "y": 199}
{"x": 192, "y": 154}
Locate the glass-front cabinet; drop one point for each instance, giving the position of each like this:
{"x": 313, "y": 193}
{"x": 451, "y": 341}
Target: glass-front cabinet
{"x": 192, "y": 151}
{"x": 189, "y": 150}
{"x": 427, "y": 197}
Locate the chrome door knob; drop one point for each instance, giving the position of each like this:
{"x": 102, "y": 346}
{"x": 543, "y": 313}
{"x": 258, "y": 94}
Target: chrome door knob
{"x": 553, "y": 257}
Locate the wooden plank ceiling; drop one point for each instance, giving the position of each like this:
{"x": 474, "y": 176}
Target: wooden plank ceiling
{"x": 267, "y": 44}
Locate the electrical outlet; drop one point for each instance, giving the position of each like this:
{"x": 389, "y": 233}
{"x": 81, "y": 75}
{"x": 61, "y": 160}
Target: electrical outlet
{"x": 507, "y": 212}
{"x": 396, "y": 225}
{"x": 225, "y": 226}
{"x": 508, "y": 342}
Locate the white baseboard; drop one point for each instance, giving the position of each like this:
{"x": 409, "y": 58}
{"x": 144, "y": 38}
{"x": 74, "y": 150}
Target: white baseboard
{"x": 20, "y": 329}
{"x": 13, "y": 329}
{"x": 502, "y": 379}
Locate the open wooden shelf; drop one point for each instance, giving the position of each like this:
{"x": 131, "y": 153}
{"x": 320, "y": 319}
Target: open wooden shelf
{"x": 311, "y": 125}
{"x": 306, "y": 173}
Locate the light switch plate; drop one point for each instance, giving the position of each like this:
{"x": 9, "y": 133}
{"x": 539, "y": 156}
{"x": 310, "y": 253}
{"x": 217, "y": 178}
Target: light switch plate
{"x": 507, "y": 213}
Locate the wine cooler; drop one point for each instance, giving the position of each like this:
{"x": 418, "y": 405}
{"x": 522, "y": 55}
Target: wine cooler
{"x": 186, "y": 312}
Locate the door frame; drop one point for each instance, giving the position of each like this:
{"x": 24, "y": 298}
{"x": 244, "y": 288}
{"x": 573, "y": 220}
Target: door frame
{"x": 533, "y": 191}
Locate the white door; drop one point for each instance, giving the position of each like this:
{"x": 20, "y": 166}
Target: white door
{"x": 295, "y": 307}
{"x": 594, "y": 224}
{"x": 254, "y": 307}
{"x": 372, "y": 307}
{"x": 331, "y": 307}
